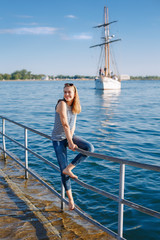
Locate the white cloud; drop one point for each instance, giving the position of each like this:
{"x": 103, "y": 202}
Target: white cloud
{"x": 71, "y": 16}
{"x": 82, "y": 36}
{"x": 32, "y": 31}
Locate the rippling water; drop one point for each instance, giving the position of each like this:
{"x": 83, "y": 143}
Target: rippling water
{"x": 122, "y": 124}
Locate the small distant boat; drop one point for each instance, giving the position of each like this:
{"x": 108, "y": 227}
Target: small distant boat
{"x": 106, "y": 79}
{"x": 46, "y": 78}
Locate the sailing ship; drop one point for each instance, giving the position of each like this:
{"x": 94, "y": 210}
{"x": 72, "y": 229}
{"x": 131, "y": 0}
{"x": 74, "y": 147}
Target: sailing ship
{"x": 106, "y": 79}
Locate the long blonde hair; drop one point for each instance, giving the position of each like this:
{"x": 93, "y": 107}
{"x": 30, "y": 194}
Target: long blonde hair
{"x": 76, "y": 106}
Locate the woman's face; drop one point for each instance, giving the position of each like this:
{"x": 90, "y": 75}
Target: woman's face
{"x": 69, "y": 94}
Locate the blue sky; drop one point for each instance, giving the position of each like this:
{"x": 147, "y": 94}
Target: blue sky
{"x": 53, "y": 36}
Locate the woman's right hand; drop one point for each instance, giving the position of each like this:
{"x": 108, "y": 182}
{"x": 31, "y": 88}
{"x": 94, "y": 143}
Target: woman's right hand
{"x": 72, "y": 146}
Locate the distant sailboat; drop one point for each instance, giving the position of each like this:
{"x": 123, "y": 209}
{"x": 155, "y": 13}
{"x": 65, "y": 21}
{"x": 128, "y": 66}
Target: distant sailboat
{"x": 106, "y": 79}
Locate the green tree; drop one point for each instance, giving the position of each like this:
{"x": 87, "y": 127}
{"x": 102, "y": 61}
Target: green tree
{"x": 6, "y": 76}
{"x": 1, "y": 77}
{"x": 16, "y": 75}
{"x": 23, "y": 74}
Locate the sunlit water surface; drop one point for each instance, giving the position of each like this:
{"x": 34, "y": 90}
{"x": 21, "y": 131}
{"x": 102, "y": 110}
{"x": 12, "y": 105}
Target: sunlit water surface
{"x": 123, "y": 124}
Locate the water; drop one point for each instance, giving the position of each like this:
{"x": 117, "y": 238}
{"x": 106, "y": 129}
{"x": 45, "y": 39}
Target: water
{"x": 122, "y": 124}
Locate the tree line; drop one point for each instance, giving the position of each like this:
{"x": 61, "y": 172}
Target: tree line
{"x": 25, "y": 75}
{"x": 145, "y": 77}
{"x": 74, "y": 77}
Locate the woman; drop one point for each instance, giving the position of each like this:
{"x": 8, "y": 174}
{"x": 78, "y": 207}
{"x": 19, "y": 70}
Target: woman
{"x": 62, "y": 136}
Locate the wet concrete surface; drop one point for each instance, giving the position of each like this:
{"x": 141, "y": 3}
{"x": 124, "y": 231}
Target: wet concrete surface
{"x": 29, "y": 211}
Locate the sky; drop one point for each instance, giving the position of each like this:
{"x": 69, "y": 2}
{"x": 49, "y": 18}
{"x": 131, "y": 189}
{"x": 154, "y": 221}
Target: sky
{"x": 53, "y": 37}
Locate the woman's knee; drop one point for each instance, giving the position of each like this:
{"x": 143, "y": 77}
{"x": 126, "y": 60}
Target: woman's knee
{"x": 83, "y": 144}
{"x": 90, "y": 147}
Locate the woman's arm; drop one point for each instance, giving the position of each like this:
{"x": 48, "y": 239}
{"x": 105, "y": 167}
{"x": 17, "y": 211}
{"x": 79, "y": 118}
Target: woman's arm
{"x": 61, "y": 109}
{"x": 74, "y": 126}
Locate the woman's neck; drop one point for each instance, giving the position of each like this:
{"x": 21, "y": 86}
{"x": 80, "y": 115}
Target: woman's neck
{"x": 69, "y": 103}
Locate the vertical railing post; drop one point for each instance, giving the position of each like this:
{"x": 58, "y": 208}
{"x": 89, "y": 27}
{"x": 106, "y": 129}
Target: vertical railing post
{"x": 121, "y": 196}
{"x": 3, "y": 138}
{"x": 26, "y": 152}
{"x": 62, "y": 195}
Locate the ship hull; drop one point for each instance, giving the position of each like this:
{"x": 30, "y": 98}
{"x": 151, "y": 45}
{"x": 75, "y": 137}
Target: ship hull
{"x": 107, "y": 83}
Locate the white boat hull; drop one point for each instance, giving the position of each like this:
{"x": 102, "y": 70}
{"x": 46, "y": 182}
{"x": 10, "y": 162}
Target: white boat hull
{"x": 107, "y": 83}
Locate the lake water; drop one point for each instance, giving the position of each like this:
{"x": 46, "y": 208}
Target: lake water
{"x": 123, "y": 124}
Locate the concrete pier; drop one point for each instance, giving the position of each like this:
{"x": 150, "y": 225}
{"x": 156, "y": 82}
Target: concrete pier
{"x": 28, "y": 210}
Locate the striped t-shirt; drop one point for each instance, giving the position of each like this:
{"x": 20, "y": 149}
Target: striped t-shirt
{"x": 58, "y": 133}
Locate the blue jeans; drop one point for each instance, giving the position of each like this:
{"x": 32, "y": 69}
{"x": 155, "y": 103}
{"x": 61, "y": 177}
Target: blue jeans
{"x": 60, "y": 148}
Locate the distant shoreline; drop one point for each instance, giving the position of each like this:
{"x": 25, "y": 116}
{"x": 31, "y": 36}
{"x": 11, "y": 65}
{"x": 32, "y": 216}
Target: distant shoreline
{"x": 80, "y": 79}
{"x": 24, "y": 75}
{"x": 50, "y": 80}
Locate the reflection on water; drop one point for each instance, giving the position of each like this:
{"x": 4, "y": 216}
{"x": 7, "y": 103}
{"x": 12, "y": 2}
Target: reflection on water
{"x": 108, "y": 102}
{"x": 108, "y": 96}
{"x": 30, "y": 211}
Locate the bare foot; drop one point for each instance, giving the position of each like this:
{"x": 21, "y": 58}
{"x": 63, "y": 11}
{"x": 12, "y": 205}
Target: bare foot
{"x": 71, "y": 205}
{"x": 69, "y": 173}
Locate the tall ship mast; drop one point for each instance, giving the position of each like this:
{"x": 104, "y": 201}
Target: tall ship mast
{"x": 106, "y": 79}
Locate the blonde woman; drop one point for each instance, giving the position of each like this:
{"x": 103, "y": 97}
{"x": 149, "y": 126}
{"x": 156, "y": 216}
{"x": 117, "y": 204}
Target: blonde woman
{"x": 63, "y": 136}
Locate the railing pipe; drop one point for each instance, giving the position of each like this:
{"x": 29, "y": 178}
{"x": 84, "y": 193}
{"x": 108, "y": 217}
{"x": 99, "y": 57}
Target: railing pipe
{"x": 3, "y": 138}
{"x": 62, "y": 196}
{"x": 119, "y": 160}
{"x": 26, "y": 152}
{"x": 121, "y": 197}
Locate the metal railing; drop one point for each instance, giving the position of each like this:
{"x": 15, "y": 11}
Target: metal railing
{"x": 119, "y": 199}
